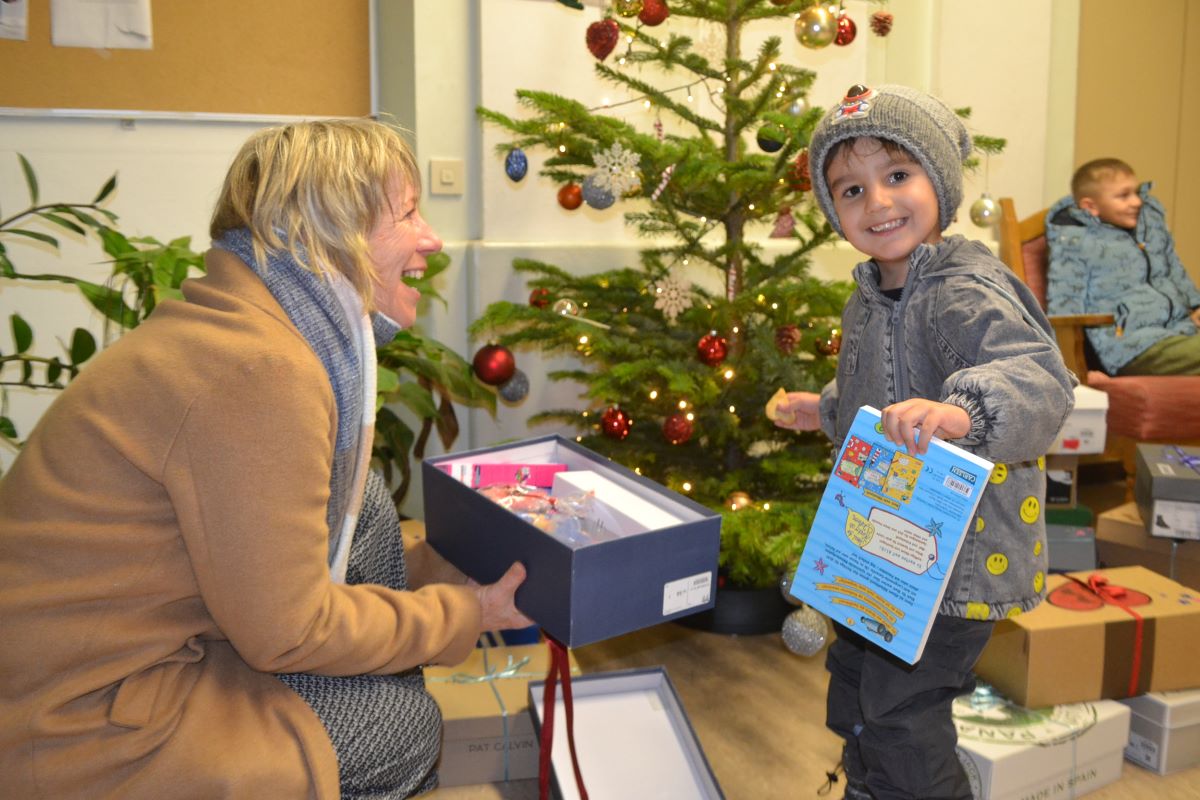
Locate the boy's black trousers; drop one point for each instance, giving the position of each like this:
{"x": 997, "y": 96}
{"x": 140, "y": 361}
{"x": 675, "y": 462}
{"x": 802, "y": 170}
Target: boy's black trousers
{"x": 895, "y": 718}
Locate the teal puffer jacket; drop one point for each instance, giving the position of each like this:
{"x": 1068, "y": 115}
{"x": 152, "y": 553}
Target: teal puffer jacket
{"x": 1097, "y": 268}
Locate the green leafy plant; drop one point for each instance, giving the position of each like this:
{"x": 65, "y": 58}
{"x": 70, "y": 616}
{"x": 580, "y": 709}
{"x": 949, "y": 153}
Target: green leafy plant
{"x": 416, "y": 372}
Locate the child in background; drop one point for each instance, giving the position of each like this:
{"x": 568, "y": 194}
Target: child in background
{"x": 944, "y": 339}
{"x": 1111, "y": 253}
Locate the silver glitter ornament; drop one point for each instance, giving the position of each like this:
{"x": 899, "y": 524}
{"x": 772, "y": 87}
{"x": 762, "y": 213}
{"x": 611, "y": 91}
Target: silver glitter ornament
{"x": 785, "y": 587}
{"x": 805, "y": 632}
{"x": 515, "y": 389}
{"x": 595, "y": 196}
{"x": 984, "y": 211}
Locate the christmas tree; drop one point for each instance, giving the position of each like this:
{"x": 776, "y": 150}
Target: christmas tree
{"x": 677, "y": 366}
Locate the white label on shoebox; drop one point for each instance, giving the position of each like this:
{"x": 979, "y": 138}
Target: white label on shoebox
{"x": 1141, "y": 750}
{"x": 680, "y": 595}
{"x": 1176, "y": 519}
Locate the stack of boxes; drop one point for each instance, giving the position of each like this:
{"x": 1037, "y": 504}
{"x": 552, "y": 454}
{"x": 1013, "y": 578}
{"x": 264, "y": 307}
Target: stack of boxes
{"x": 1105, "y": 667}
{"x": 631, "y": 554}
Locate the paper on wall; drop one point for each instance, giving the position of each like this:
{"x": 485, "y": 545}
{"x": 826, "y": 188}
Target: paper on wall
{"x": 108, "y": 24}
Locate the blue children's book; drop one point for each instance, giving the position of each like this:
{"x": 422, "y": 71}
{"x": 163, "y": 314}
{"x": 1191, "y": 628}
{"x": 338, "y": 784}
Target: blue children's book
{"x": 886, "y": 535}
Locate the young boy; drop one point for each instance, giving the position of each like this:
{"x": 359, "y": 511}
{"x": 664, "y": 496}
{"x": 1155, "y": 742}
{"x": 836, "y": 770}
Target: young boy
{"x": 1111, "y": 253}
{"x": 944, "y": 339}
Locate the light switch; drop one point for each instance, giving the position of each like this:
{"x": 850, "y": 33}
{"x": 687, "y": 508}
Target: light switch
{"x": 445, "y": 176}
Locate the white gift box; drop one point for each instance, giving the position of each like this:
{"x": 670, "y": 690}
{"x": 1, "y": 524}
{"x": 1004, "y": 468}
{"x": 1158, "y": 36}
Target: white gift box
{"x": 1084, "y": 430}
{"x": 1164, "y": 734}
{"x": 1013, "y": 753}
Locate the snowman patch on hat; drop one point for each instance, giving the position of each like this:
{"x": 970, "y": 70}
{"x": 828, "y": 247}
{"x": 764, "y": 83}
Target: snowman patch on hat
{"x": 855, "y": 105}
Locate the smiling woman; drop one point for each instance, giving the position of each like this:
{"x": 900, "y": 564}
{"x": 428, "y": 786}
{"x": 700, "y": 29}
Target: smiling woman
{"x": 221, "y": 508}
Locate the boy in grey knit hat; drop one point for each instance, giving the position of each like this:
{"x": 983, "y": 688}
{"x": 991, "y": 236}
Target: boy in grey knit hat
{"x": 944, "y": 339}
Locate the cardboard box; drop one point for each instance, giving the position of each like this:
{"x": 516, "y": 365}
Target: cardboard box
{"x": 1062, "y": 480}
{"x": 1075, "y": 647}
{"x": 1122, "y": 541}
{"x": 1167, "y": 490}
{"x": 1070, "y": 547}
{"x": 577, "y": 594}
{"x": 1165, "y": 730}
{"x": 485, "y": 714}
{"x": 1015, "y": 753}
{"x": 632, "y": 736}
{"x": 1085, "y": 428}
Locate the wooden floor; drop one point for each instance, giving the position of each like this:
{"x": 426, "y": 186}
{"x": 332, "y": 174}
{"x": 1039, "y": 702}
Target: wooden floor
{"x": 759, "y": 711}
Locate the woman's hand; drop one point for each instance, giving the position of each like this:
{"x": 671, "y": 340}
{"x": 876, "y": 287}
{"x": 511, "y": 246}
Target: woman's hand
{"x": 901, "y": 421}
{"x": 496, "y": 601}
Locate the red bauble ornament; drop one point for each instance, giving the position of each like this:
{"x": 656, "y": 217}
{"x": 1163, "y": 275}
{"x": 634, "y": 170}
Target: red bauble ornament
{"x": 570, "y": 196}
{"x": 787, "y": 337}
{"x": 654, "y": 12}
{"x": 602, "y": 37}
{"x": 712, "y": 349}
{"x": 677, "y": 428}
{"x": 829, "y": 346}
{"x": 801, "y": 178}
{"x": 540, "y": 297}
{"x": 847, "y": 30}
{"x": 881, "y": 23}
{"x": 615, "y": 423}
{"x": 494, "y": 364}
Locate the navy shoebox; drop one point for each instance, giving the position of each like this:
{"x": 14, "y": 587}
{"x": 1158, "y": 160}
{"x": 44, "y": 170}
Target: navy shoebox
{"x": 587, "y": 593}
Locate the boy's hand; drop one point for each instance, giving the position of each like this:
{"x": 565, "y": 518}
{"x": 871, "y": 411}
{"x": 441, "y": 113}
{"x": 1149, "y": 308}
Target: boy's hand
{"x": 799, "y": 411}
{"x": 901, "y": 422}
{"x": 1195, "y": 315}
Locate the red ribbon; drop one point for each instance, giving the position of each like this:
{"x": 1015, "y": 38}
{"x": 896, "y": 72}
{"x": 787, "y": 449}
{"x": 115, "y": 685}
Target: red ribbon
{"x": 1119, "y": 597}
{"x": 560, "y": 667}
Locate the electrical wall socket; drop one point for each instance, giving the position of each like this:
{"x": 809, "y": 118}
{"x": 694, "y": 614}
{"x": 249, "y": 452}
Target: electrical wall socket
{"x": 445, "y": 176}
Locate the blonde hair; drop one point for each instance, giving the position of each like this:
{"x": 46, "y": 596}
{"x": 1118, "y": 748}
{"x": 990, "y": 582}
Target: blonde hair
{"x": 1087, "y": 179}
{"x": 316, "y": 190}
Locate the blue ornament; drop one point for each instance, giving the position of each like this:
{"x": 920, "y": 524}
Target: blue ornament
{"x": 596, "y": 196}
{"x": 516, "y": 164}
{"x": 770, "y": 138}
{"x": 515, "y": 389}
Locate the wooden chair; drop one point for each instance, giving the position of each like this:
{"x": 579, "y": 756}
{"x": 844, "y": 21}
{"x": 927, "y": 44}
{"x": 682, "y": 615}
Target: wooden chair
{"x": 1152, "y": 408}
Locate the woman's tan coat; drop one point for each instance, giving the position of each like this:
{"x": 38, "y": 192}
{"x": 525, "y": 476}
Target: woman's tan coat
{"x": 163, "y": 549}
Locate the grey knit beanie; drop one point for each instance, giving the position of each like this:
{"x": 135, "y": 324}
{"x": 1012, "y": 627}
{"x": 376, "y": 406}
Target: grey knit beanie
{"x": 918, "y": 122}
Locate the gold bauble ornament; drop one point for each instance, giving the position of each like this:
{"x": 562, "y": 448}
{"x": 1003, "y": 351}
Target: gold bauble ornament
{"x": 984, "y": 211}
{"x": 627, "y": 8}
{"x": 738, "y": 500}
{"x": 816, "y": 27}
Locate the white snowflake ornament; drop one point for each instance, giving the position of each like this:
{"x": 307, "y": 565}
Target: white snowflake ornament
{"x": 617, "y": 169}
{"x": 672, "y": 296}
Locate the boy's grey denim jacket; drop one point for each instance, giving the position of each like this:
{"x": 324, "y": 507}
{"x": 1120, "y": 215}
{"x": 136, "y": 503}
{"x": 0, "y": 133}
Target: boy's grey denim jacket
{"x": 1098, "y": 268}
{"x": 968, "y": 332}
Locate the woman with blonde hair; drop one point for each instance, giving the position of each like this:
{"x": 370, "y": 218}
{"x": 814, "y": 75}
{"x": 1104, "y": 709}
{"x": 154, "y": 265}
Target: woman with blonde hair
{"x": 203, "y": 587}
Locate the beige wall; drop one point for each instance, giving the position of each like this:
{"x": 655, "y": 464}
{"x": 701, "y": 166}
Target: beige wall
{"x": 1139, "y": 100}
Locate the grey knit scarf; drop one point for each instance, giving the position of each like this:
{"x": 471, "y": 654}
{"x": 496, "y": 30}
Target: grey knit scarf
{"x": 313, "y": 307}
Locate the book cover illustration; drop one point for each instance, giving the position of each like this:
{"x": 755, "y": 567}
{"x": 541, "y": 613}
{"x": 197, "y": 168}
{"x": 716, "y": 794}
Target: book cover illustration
{"x": 886, "y": 534}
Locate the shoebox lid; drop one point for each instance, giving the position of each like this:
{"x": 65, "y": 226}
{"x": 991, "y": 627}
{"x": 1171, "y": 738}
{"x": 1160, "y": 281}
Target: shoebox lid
{"x": 633, "y": 738}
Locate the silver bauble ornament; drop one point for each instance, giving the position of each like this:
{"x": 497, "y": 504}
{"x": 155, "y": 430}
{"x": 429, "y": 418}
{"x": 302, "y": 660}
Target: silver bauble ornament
{"x": 515, "y": 389}
{"x": 566, "y": 306}
{"x": 816, "y": 27}
{"x": 805, "y": 632}
{"x": 798, "y": 106}
{"x": 984, "y": 211}
{"x": 596, "y": 196}
{"x": 785, "y": 587}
